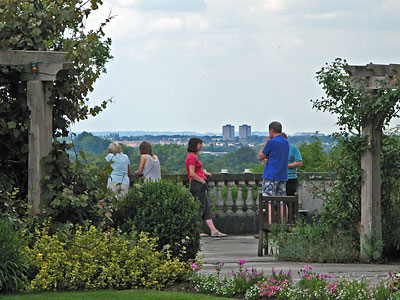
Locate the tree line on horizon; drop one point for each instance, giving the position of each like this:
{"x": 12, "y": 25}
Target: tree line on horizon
{"x": 172, "y": 156}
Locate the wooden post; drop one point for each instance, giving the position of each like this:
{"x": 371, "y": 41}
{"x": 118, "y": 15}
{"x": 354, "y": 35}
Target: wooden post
{"x": 371, "y": 186}
{"x": 40, "y": 139}
{"x": 47, "y": 68}
{"x": 371, "y": 224}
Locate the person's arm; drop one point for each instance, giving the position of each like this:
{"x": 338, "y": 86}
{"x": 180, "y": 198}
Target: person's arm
{"x": 207, "y": 173}
{"x": 297, "y": 160}
{"x": 261, "y": 155}
{"x": 143, "y": 160}
{"x": 296, "y": 164}
{"x": 193, "y": 174}
{"x": 129, "y": 170}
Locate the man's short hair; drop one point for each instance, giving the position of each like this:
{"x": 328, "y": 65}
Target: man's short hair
{"x": 275, "y": 126}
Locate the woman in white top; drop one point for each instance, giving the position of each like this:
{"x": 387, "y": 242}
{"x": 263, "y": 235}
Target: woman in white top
{"x": 118, "y": 181}
{"x": 149, "y": 164}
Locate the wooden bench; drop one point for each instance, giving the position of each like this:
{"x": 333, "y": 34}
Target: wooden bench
{"x": 275, "y": 210}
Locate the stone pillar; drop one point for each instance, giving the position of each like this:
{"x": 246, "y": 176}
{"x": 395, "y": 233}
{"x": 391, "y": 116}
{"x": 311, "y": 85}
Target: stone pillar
{"x": 40, "y": 139}
{"x": 371, "y": 186}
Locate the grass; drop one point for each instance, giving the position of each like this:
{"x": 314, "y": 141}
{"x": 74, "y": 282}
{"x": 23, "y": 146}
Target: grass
{"x": 110, "y": 295}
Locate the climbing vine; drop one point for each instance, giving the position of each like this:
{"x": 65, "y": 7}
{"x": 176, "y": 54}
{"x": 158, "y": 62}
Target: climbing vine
{"x": 46, "y": 25}
{"x": 354, "y": 104}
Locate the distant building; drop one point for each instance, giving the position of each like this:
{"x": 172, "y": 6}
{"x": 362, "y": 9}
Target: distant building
{"x": 228, "y": 132}
{"x": 244, "y": 131}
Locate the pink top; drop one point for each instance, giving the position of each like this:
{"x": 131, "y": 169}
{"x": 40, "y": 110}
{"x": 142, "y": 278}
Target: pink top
{"x": 193, "y": 160}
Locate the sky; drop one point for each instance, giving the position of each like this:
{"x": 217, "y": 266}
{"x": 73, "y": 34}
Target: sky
{"x": 196, "y": 65}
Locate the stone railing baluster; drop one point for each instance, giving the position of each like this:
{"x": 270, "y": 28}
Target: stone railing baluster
{"x": 219, "y": 202}
{"x": 239, "y": 199}
{"x": 211, "y": 185}
{"x": 229, "y": 200}
{"x": 249, "y": 200}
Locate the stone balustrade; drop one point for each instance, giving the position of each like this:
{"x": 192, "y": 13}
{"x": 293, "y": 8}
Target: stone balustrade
{"x": 236, "y": 194}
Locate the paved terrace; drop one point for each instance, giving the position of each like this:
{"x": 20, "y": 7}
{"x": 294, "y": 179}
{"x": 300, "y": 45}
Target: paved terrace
{"x": 230, "y": 249}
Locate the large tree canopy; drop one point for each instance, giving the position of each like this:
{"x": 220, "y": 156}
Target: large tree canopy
{"x": 46, "y": 25}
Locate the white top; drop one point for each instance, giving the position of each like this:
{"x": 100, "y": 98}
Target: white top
{"x": 120, "y": 163}
{"x": 152, "y": 169}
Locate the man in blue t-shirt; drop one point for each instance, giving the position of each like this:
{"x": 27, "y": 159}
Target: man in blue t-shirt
{"x": 295, "y": 161}
{"x": 276, "y": 151}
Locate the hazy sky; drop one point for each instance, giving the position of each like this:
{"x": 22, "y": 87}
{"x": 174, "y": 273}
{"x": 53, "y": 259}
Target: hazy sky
{"x": 195, "y": 65}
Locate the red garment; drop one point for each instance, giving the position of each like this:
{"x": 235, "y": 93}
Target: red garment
{"x": 193, "y": 160}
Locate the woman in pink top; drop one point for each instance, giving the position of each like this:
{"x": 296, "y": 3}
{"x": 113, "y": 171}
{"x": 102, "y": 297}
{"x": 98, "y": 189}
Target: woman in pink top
{"x": 198, "y": 184}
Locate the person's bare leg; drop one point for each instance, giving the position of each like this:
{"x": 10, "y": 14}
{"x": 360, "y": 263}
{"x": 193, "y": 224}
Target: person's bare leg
{"x": 210, "y": 225}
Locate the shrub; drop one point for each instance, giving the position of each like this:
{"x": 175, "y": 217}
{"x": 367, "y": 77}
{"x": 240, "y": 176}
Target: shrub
{"x": 314, "y": 243}
{"x": 91, "y": 259}
{"x": 73, "y": 190}
{"x": 166, "y": 210}
{"x": 12, "y": 260}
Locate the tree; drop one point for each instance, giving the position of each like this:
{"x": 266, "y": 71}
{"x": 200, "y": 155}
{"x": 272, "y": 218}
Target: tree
{"x": 47, "y": 25}
{"x": 313, "y": 156}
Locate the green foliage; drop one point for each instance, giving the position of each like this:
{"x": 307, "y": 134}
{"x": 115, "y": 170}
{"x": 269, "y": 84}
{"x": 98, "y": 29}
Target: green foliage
{"x": 48, "y": 25}
{"x": 12, "y": 206}
{"x": 313, "y": 156}
{"x": 13, "y": 264}
{"x": 87, "y": 142}
{"x": 314, "y": 243}
{"x": 238, "y": 284}
{"x": 75, "y": 192}
{"x": 172, "y": 158}
{"x": 87, "y": 258}
{"x": 342, "y": 199}
{"x": 352, "y": 102}
{"x": 235, "y": 162}
{"x": 166, "y": 210}
{"x": 372, "y": 246}
{"x": 355, "y": 105}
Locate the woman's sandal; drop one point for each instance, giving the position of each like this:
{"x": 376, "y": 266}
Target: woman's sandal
{"x": 217, "y": 234}
{"x": 203, "y": 234}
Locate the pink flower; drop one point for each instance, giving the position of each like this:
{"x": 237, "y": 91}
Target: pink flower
{"x": 195, "y": 267}
{"x": 241, "y": 262}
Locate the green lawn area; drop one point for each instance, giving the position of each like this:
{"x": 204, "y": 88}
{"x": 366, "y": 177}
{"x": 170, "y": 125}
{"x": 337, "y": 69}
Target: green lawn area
{"x": 110, "y": 295}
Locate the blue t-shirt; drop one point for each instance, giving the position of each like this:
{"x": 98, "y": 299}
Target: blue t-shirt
{"x": 294, "y": 155}
{"x": 277, "y": 151}
{"x": 120, "y": 163}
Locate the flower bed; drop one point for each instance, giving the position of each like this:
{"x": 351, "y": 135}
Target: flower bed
{"x": 253, "y": 285}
